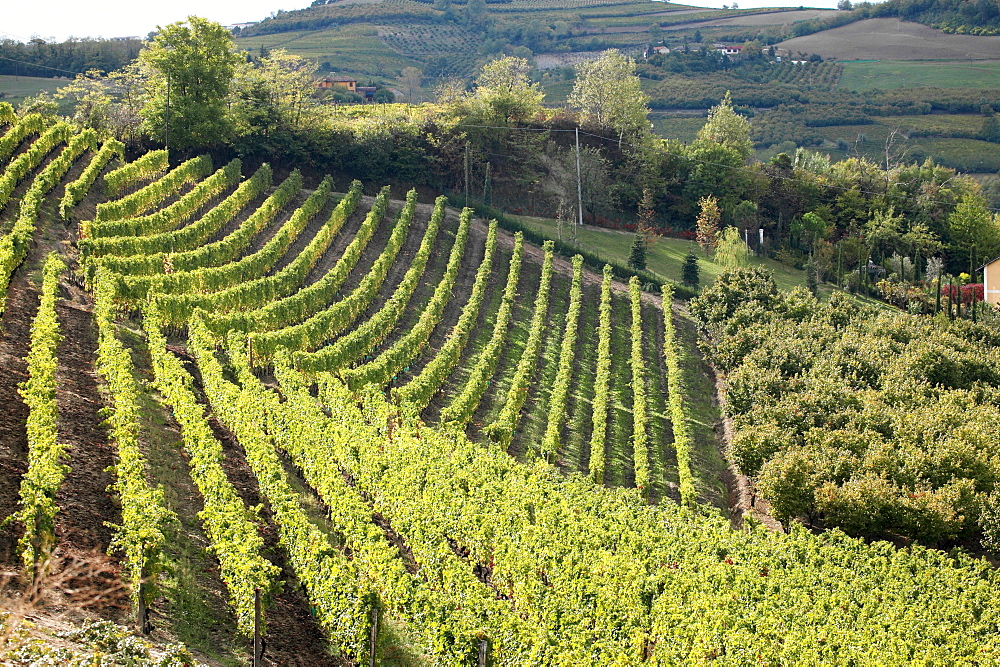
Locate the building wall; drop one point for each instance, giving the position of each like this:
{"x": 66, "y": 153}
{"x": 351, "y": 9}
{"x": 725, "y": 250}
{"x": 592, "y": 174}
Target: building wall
{"x": 991, "y": 282}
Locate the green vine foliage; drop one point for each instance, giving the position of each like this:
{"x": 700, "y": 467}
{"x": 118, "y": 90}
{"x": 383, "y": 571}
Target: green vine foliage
{"x": 464, "y": 405}
{"x": 501, "y": 430}
{"x": 46, "y": 471}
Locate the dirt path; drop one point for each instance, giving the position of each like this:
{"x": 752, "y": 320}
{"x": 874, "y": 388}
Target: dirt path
{"x": 293, "y": 635}
{"x": 21, "y": 306}
{"x": 85, "y": 504}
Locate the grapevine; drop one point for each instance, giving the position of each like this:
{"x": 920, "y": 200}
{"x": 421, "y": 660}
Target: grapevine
{"x": 45, "y": 469}
{"x": 676, "y": 396}
{"x": 384, "y": 367}
{"x": 602, "y": 381}
{"x": 560, "y": 390}
{"x": 640, "y": 414}
{"x": 464, "y": 405}
{"x": 418, "y": 391}
{"x": 501, "y": 430}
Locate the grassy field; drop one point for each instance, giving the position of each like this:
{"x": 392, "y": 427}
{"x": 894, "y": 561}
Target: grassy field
{"x": 936, "y": 123}
{"x": 666, "y": 256}
{"x": 886, "y": 74}
{"x": 970, "y": 155}
{"x": 676, "y": 127}
{"x": 14, "y": 89}
{"x": 893, "y": 39}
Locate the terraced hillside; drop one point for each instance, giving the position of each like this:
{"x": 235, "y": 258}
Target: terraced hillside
{"x": 352, "y": 402}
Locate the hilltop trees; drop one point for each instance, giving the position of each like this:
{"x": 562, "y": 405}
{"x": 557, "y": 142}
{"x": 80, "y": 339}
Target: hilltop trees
{"x": 504, "y": 92}
{"x": 607, "y": 92}
{"x": 191, "y": 63}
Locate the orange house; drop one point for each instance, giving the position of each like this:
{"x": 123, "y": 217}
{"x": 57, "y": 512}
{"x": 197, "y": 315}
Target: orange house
{"x": 991, "y": 281}
{"x": 345, "y": 82}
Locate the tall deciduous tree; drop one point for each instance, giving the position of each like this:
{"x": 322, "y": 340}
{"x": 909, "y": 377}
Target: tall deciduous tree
{"x": 709, "y": 221}
{"x": 727, "y": 128}
{"x": 410, "y": 81}
{"x": 196, "y": 60}
{"x": 975, "y": 233}
{"x": 273, "y": 92}
{"x": 504, "y": 91}
{"x": 731, "y": 251}
{"x": 607, "y": 91}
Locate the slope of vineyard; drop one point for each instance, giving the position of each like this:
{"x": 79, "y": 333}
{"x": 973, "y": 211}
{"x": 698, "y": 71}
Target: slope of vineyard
{"x": 360, "y": 405}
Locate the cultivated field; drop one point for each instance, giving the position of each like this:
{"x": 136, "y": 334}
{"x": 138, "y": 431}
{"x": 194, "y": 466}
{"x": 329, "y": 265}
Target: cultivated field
{"x": 891, "y": 74}
{"x": 893, "y": 39}
{"x": 413, "y": 437}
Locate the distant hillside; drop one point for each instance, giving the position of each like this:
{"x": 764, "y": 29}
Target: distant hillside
{"x": 964, "y": 17}
{"x": 379, "y": 39}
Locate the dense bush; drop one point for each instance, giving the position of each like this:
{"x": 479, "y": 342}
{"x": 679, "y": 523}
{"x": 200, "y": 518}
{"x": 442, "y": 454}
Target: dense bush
{"x": 879, "y": 423}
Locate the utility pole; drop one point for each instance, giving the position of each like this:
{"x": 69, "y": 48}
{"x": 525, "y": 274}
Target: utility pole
{"x": 466, "y": 173}
{"x": 166, "y": 134}
{"x": 579, "y": 185}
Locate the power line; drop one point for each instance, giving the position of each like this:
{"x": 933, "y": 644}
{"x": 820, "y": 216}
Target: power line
{"x": 30, "y": 64}
{"x": 742, "y": 169}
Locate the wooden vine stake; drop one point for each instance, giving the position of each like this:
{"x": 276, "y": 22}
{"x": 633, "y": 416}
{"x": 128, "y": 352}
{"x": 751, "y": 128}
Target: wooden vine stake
{"x": 258, "y": 648}
{"x": 142, "y": 611}
{"x": 372, "y": 636}
{"x": 484, "y": 652}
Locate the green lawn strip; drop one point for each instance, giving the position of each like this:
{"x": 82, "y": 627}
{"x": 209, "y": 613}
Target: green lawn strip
{"x": 665, "y": 256}
{"x": 890, "y": 74}
{"x": 528, "y": 435}
{"x": 574, "y": 452}
{"x": 707, "y": 460}
{"x": 16, "y": 88}
{"x": 662, "y": 457}
{"x": 619, "y": 469}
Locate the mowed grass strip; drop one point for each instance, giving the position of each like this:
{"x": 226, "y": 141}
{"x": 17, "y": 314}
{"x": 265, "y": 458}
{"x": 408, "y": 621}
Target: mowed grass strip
{"x": 892, "y": 74}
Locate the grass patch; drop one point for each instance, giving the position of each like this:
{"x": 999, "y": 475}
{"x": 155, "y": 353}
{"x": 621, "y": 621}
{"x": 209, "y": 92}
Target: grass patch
{"x": 892, "y": 74}
{"x": 664, "y": 259}
{"x": 676, "y": 127}
{"x": 14, "y": 89}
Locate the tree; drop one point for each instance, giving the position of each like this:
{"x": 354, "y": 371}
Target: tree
{"x": 607, "y": 91}
{"x": 504, "y": 91}
{"x": 275, "y": 91}
{"x": 690, "y": 273}
{"x": 975, "y": 233}
{"x": 647, "y": 213}
{"x": 709, "y": 221}
{"x": 637, "y": 255}
{"x": 410, "y": 82}
{"x": 196, "y": 62}
{"x": 727, "y": 128}
{"x": 475, "y": 13}
{"x": 731, "y": 251}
